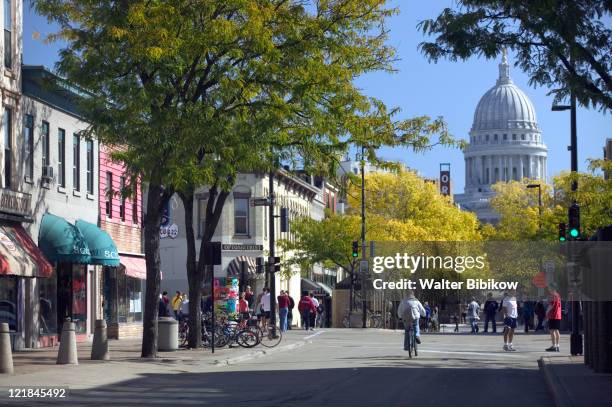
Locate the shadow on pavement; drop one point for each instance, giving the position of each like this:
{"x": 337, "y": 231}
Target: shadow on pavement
{"x": 369, "y": 386}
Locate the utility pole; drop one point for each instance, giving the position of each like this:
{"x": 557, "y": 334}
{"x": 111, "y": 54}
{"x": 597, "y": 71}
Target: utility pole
{"x": 363, "y": 240}
{"x": 272, "y": 277}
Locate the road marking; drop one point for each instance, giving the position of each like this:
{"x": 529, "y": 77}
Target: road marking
{"x": 314, "y": 334}
{"x": 468, "y": 353}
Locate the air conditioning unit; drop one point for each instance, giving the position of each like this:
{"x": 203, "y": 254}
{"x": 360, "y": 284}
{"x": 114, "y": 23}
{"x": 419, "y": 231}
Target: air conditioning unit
{"x": 47, "y": 172}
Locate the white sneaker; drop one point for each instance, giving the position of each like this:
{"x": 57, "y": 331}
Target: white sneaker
{"x": 506, "y": 348}
{"x": 511, "y": 348}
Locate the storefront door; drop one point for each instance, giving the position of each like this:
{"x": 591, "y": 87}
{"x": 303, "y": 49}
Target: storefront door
{"x": 72, "y": 295}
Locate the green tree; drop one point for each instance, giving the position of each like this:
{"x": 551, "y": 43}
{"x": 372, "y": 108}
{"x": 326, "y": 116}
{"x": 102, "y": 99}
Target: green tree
{"x": 200, "y": 90}
{"x": 543, "y": 34}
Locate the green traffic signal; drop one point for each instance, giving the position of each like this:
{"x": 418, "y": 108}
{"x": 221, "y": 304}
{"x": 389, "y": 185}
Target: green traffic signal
{"x": 355, "y": 249}
{"x": 574, "y": 233}
{"x": 561, "y": 239}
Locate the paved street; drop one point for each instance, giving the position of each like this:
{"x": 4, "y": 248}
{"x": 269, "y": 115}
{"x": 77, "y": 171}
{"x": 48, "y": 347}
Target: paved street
{"x": 333, "y": 367}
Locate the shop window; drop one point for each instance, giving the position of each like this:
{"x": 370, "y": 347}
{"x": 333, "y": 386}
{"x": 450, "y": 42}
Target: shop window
{"x": 123, "y": 296}
{"x": 72, "y": 295}
{"x": 8, "y": 301}
{"x": 134, "y": 297}
{"x": 241, "y": 216}
{"x": 47, "y": 314}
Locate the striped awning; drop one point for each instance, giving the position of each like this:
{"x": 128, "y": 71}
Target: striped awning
{"x": 234, "y": 268}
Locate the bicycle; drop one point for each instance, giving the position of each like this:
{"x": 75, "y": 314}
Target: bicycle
{"x": 410, "y": 340}
{"x": 268, "y": 337}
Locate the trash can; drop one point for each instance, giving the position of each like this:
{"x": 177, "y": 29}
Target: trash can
{"x": 167, "y": 334}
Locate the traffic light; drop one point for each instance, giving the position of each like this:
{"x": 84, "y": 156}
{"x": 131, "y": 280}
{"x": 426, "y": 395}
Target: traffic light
{"x": 562, "y": 232}
{"x": 259, "y": 265}
{"x": 276, "y": 264}
{"x": 574, "y": 221}
{"x": 355, "y": 248}
{"x": 284, "y": 219}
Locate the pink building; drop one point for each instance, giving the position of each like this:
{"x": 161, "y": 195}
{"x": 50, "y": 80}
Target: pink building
{"x": 121, "y": 217}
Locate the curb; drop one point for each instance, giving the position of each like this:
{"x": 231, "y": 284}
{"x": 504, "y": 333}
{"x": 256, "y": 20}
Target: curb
{"x": 555, "y": 387}
{"x": 259, "y": 353}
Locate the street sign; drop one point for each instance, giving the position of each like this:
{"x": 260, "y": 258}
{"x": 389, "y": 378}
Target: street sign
{"x": 364, "y": 267}
{"x": 264, "y": 201}
{"x": 242, "y": 247}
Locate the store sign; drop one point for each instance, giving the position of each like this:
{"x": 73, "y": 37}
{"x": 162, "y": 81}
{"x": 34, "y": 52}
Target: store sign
{"x": 15, "y": 203}
{"x": 242, "y": 247}
{"x": 169, "y": 231}
{"x": 445, "y": 182}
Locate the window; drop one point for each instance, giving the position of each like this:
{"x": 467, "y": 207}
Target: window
{"x": 8, "y": 146}
{"x": 90, "y": 167}
{"x": 505, "y": 137}
{"x": 28, "y": 141}
{"x": 241, "y": 216}
{"x": 202, "y": 202}
{"x": 61, "y": 157}
{"x": 45, "y": 145}
{"x": 76, "y": 162}
{"x": 514, "y": 137}
{"x": 135, "y": 206}
{"x": 522, "y": 137}
{"x": 495, "y": 137}
{"x": 8, "y": 34}
{"x": 487, "y": 137}
{"x": 108, "y": 194}
{"x": 496, "y": 174}
{"x": 47, "y": 294}
{"x": 9, "y": 311}
{"x": 514, "y": 174}
{"x": 122, "y": 206}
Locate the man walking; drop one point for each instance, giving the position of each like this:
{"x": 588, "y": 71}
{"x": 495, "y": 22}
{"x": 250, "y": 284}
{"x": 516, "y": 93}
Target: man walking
{"x": 290, "y": 312}
{"x": 473, "y": 312}
{"x": 510, "y": 310}
{"x": 306, "y": 308}
{"x": 265, "y": 308}
{"x": 283, "y": 310}
{"x": 490, "y": 309}
{"x": 176, "y": 304}
{"x": 553, "y": 314}
{"x": 313, "y": 316}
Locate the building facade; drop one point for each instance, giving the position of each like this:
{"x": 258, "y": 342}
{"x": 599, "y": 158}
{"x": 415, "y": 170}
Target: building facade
{"x": 122, "y": 288}
{"x": 505, "y": 144}
{"x": 243, "y": 231}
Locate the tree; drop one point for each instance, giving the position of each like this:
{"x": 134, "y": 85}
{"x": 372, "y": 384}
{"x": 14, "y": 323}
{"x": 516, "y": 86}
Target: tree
{"x": 200, "y": 90}
{"x": 518, "y": 205}
{"x": 561, "y": 44}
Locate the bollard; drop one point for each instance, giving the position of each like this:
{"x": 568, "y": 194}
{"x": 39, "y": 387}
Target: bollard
{"x": 67, "y": 354}
{"x": 6, "y": 356}
{"x": 99, "y": 349}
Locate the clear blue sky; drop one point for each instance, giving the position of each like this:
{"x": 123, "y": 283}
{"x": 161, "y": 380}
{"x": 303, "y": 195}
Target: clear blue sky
{"x": 447, "y": 89}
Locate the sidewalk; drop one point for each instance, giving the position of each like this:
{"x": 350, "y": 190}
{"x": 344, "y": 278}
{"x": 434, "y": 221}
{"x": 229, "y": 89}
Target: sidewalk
{"x": 38, "y": 367}
{"x": 572, "y": 384}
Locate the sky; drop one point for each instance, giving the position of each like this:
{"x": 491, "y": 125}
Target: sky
{"x": 447, "y": 89}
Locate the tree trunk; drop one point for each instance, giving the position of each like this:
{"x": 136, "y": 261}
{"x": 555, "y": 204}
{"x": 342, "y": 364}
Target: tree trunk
{"x": 156, "y": 198}
{"x": 194, "y": 279}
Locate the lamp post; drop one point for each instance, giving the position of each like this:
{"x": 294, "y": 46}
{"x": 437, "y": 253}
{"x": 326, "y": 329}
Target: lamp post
{"x": 576, "y": 337}
{"x": 363, "y": 239}
{"x": 539, "y": 187}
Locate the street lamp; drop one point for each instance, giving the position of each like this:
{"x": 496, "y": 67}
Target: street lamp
{"x": 539, "y": 187}
{"x": 576, "y": 337}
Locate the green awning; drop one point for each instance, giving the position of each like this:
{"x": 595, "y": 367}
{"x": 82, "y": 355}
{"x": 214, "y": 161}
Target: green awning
{"x": 102, "y": 247}
{"x": 61, "y": 241}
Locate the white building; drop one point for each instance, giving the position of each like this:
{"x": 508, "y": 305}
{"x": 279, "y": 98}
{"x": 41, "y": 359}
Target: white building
{"x": 242, "y": 230}
{"x": 505, "y": 144}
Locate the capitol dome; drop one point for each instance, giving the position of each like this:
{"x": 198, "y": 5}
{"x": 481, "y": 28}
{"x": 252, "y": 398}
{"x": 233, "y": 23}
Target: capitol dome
{"x": 504, "y": 106}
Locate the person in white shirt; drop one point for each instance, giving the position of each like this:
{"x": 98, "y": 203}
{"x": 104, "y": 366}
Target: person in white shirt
{"x": 313, "y": 317}
{"x": 265, "y": 306}
{"x": 510, "y": 309}
{"x": 410, "y": 310}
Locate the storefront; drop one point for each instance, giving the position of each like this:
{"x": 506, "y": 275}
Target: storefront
{"x": 123, "y": 296}
{"x": 20, "y": 263}
{"x": 75, "y": 251}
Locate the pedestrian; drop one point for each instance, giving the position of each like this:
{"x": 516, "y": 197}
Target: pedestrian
{"x": 176, "y": 304}
{"x": 163, "y": 305}
{"x": 265, "y": 308}
{"x": 283, "y": 310}
{"x": 540, "y": 312}
{"x": 464, "y": 315}
{"x": 313, "y": 316}
{"x": 290, "y": 312}
{"x": 456, "y": 321}
{"x": 427, "y": 315}
{"x": 184, "y": 312}
{"x": 306, "y": 307}
{"x": 243, "y": 308}
{"x": 553, "y": 314}
{"x": 473, "y": 314}
{"x": 510, "y": 311}
{"x": 249, "y": 296}
{"x": 490, "y": 309}
{"x": 528, "y": 312}
{"x": 327, "y": 301}
{"x": 435, "y": 321}
{"x": 410, "y": 310}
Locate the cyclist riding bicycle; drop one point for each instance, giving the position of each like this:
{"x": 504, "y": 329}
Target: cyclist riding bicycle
{"x": 410, "y": 310}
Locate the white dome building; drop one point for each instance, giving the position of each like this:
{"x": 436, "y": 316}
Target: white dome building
{"x": 505, "y": 144}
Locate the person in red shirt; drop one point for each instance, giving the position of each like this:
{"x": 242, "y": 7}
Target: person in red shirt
{"x": 243, "y": 307}
{"x": 283, "y": 310}
{"x": 306, "y": 307}
{"x": 553, "y": 314}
